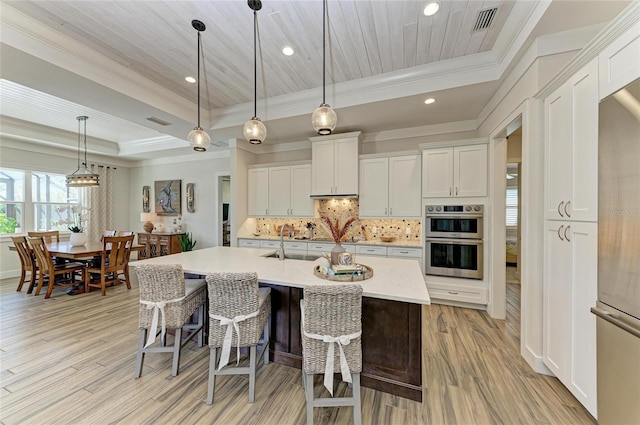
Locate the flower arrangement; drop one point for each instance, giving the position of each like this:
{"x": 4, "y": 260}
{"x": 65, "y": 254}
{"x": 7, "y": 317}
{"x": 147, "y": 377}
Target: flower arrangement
{"x": 339, "y": 233}
{"x": 76, "y": 218}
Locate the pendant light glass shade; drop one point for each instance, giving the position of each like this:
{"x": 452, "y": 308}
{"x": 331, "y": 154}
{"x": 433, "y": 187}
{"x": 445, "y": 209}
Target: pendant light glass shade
{"x": 84, "y": 177}
{"x": 254, "y": 130}
{"x": 199, "y": 139}
{"x": 324, "y": 119}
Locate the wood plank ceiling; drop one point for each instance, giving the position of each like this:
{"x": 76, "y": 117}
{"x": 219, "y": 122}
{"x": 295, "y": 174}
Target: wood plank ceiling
{"x": 366, "y": 38}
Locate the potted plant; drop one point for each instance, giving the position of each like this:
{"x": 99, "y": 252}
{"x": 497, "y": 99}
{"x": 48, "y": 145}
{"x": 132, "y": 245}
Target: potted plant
{"x": 338, "y": 233}
{"x": 187, "y": 243}
{"x": 76, "y": 222}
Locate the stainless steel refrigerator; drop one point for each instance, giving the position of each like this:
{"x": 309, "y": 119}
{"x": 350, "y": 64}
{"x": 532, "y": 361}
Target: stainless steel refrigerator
{"x": 618, "y": 306}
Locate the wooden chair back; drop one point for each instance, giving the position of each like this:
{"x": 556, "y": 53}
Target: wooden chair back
{"x": 107, "y": 233}
{"x": 49, "y": 237}
{"x": 43, "y": 258}
{"x": 116, "y": 251}
{"x": 24, "y": 252}
{"x": 27, "y": 262}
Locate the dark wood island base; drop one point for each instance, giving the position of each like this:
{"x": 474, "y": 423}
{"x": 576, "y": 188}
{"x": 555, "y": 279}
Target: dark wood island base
{"x": 391, "y": 340}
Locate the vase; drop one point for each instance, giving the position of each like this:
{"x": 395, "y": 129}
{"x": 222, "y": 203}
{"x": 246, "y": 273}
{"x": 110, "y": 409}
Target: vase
{"x": 335, "y": 253}
{"x": 78, "y": 239}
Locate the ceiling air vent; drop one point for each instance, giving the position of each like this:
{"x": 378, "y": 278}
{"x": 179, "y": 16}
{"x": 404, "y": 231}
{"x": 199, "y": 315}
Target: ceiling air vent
{"x": 485, "y": 19}
{"x": 158, "y": 121}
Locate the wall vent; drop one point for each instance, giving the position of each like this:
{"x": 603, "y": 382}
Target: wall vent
{"x": 485, "y": 19}
{"x": 158, "y": 121}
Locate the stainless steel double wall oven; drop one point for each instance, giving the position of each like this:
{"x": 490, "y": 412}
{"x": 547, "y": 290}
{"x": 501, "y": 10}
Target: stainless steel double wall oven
{"x": 453, "y": 244}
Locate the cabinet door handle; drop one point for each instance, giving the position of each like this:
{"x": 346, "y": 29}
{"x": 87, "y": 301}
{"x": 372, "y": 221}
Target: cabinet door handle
{"x": 565, "y": 209}
{"x": 560, "y": 206}
{"x": 390, "y": 211}
{"x": 456, "y": 190}
{"x": 449, "y": 191}
{"x": 565, "y": 233}
{"x": 560, "y": 230}
{"x": 385, "y": 211}
{"x": 453, "y": 293}
{"x": 266, "y": 212}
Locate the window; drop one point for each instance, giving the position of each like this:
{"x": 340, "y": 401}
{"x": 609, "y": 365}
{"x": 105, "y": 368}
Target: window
{"x": 11, "y": 201}
{"x": 26, "y": 207}
{"x": 512, "y": 207}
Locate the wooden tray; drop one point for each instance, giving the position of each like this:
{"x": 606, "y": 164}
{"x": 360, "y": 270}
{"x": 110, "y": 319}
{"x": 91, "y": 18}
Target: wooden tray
{"x": 368, "y": 273}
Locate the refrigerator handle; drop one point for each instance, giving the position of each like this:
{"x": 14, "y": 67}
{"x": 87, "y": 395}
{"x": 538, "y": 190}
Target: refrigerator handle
{"x": 604, "y": 314}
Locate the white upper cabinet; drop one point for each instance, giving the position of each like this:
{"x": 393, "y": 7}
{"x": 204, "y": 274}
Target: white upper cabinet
{"x": 334, "y": 166}
{"x": 390, "y": 187}
{"x": 374, "y": 183}
{"x": 258, "y": 192}
{"x": 571, "y": 148}
{"x": 280, "y": 191}
{"x": 301, "y": 203}
{"x": 619, "y": 62}
{"x": 404, "y": 186}
{"x": 454, "y": 172}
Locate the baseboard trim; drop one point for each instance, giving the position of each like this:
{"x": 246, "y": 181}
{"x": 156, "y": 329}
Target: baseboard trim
{"x": 535, "y": 362}
{"x": 9, "y": 274}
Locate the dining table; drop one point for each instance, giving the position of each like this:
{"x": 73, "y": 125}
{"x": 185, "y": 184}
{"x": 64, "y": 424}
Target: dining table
{"x": 64, "y": 249}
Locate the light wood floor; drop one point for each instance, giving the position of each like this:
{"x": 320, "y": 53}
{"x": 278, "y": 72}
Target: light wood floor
{"x": 70, "y": 359}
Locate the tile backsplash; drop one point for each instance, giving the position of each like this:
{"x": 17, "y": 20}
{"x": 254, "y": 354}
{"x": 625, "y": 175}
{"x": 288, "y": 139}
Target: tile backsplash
{"x": 343, "y": 209}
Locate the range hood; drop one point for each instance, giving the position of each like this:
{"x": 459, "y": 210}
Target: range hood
{"x": 335, "y": 196}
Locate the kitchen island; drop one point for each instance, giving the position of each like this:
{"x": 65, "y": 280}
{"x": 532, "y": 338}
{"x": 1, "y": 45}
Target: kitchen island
{"x": 391, "y": 313}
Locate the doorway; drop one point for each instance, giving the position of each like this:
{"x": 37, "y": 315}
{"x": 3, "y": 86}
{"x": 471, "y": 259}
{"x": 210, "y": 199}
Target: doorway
{"x": 223, "y": 207}
{"x": 512, "y": 207}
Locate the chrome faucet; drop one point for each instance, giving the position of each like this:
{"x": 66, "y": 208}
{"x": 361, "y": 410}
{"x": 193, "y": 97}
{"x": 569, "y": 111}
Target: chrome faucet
{"x": 281, "y": 253}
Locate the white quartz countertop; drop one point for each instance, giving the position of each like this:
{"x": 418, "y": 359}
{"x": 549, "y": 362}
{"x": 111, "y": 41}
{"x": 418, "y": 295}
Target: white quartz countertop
{"x": 393, "y": 278}
{"x": 397, "y": 243}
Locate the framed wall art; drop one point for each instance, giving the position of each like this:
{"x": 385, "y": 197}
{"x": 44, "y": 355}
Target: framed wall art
{"x": 191, "y": 198}
{"x": 146, "y": 198}
{"x": 168, "y": 197}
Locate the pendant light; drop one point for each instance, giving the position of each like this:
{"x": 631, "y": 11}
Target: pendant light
{"x": 199, "y": 138}
{"x": 324, "y": 119}
{"x": 254, "y": 130}
{"x": 84, "y": 178}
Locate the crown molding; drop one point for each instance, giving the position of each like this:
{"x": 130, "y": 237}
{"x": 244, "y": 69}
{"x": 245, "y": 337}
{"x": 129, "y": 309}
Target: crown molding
{"x": 620, "y": 24}
{"x": 192, "y": 157}
{"x": 421, "y": 131}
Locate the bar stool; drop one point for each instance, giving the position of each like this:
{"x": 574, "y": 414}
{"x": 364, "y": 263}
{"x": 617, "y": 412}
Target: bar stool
{"x": 168, "y": 299}
{"x": 332, "y": 316}
{"x": 239, "y": 313}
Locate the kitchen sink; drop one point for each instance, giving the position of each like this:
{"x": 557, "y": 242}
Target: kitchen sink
{"x": 305, "y": 257}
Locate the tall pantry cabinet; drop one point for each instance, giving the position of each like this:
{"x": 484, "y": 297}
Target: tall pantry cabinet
{"x": 570, "y": 241}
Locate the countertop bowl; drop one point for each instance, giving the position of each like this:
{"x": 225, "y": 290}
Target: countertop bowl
{"x": 387, "y": 238}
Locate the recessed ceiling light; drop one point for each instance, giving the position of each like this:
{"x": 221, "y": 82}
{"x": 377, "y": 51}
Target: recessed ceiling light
{"x": 431, "y": 9}
{"x": 429, "y": 101}
{"x": 287, "y": 51}
{"x": 190, "y": 79}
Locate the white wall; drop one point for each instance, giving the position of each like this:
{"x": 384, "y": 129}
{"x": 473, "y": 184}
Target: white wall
{"x": 190, "y": 169}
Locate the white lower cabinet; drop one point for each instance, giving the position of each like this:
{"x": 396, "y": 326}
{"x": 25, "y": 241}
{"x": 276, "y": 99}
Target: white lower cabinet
{"x": 570, "y": 290}
{"x": 458, "y": 292}
{"x": 248, "y": 243}
{"x": 368, "y": 250}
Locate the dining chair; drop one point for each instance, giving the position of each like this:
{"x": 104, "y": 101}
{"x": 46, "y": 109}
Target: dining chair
{"x": 57, "y": 275}
{"x": 239, "y": 313}
{"x": 114, "y": 261}
{"x": 49, "y": 236}
{"x": 168, "y": 298}
{"x": 331, "y": 329}
{"x": 27, "y": 262}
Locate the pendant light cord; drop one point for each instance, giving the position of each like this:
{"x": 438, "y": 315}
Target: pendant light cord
{"x": 85, "y": 144}
{"x": 79, "y": 137}
{"x": 324, "y": 49}
{"x": 255, "y": 66}
{"x": 198, "y": 79}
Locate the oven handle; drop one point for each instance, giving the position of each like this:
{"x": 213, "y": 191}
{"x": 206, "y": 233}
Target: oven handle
{"x": 456, "y": 241}
{"x": 454, "y": 216}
